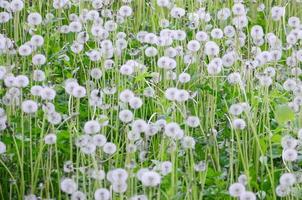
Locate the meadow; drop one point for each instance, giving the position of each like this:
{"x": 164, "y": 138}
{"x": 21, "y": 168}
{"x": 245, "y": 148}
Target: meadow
{"x": 150, "y": 99}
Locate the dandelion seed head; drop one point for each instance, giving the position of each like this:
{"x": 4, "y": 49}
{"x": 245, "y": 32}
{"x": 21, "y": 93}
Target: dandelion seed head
{"x": 68, "y": 185}
{"x": 287, "y": 179}
{"x": 236, "y": 189}
{"x": 50, "y": 138}
{"x": 102, "y": 194}
{"x": 150, "y": 179}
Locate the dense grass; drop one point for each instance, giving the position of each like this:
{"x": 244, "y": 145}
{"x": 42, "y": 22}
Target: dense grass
{"x": 233, "y": 123}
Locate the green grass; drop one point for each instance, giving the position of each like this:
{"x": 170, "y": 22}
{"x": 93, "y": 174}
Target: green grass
{"x": 29, "y": 166}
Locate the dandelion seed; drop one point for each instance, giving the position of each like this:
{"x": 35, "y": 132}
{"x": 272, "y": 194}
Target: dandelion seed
{"x": 68, "y": 186}
{"x": 287, "y": 179}
{"x": 34, "y": 19}
{"x": 236, "y": 189}
{"x": 247, "y": 196}
{"x": 282, "y": 190}
{"x": 50, "y": 139}
{"x": 29, "y": 106}
{"x": 239, "y": 124}
{"x": 150, "y": 179}
{"x": 102, "y": 194}
{"x": 2, "y": 148}
{"x": 290, "y": 155}
{"x": 109, "y": 148}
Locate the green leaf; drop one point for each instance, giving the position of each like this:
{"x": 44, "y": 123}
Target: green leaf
{"x": 276, "y": 138}
{"x": 284, "y": 114}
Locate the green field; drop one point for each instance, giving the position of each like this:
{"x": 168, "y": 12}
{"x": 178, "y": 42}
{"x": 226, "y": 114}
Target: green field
{"x": 150, "y": 99}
